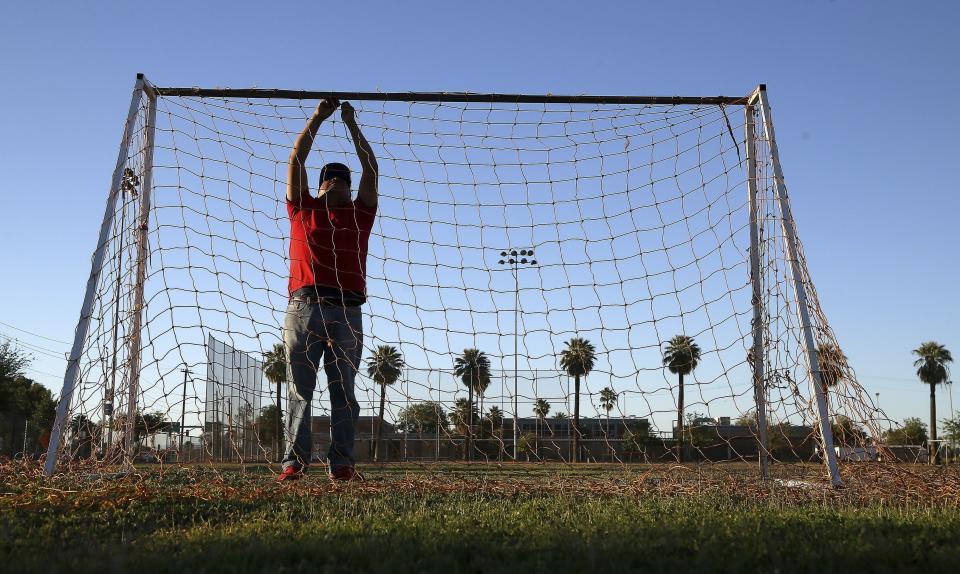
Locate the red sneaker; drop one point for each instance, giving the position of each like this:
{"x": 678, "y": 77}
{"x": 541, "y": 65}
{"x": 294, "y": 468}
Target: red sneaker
{"x": 346, "y": 474}
{"x": 290, "y": 473}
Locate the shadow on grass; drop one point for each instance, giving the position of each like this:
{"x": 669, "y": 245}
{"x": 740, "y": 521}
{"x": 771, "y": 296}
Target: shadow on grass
{"x": 353, "y": 531}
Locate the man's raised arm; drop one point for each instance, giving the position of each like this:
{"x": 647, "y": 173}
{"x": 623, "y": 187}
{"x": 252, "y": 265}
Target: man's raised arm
{"x": 367, "y": 191}
{"x": 297, "y": 183}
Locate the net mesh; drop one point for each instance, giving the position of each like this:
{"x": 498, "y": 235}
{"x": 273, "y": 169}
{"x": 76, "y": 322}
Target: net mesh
{"x": 630, "y": 223}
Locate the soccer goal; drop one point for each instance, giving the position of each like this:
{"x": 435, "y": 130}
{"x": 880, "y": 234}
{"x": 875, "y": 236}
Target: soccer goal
{"x": 627, "y": 266}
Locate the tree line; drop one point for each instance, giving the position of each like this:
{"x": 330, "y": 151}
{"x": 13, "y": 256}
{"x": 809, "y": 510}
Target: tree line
{"x": 27, "y": 409}
{"x": 473, "y": 368}
{"x": 681, "y": 356}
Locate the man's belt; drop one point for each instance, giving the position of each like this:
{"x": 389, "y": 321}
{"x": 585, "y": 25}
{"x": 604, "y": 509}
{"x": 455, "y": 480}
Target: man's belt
{"x": 327, "y": 297}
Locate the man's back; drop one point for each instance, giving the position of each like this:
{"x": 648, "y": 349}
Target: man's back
{"x": 328, "y": 246}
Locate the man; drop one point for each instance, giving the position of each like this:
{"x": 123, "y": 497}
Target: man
{"x": 323, "y": 326}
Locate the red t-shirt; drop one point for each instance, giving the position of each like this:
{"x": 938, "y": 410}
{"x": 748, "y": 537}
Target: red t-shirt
{"x": 329, "y": 246}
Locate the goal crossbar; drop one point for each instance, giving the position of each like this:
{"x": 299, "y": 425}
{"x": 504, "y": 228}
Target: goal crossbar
{"x": 465, "y": 97}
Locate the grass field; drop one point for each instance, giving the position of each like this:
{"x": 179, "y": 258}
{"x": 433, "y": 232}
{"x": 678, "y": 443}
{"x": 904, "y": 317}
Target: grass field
{"x": 484, "y": 518}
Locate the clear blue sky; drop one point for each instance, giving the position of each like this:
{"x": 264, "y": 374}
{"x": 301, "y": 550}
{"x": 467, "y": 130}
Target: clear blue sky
{"x": 861, "y": 92}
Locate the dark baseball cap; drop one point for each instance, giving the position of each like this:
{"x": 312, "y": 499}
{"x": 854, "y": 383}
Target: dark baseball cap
{"x": 332, "y": 170}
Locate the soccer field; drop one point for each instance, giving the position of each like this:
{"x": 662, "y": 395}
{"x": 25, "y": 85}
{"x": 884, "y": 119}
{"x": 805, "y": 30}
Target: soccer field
{"x": 484, "y": 518}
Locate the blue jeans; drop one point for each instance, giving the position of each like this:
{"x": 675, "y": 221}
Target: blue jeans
{"x": 315, "y": 334}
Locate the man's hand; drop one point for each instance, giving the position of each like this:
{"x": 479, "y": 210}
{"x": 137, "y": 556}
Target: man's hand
{"x": 348, "y": 114}
{"x": 296, "y": 167}
{"x": 326, "y": 108}
{"x": 367, "y": 191}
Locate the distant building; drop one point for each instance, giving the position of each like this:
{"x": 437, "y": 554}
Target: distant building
{"x": 602, "y": 439}
{"x": 593, "y": 427}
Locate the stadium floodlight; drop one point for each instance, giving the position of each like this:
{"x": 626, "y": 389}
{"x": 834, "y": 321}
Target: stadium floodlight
{"x": 658, "y": 216}
{"x": 515, "y": 264}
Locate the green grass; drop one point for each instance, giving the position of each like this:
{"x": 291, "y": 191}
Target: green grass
{"x": 465, "y": 519}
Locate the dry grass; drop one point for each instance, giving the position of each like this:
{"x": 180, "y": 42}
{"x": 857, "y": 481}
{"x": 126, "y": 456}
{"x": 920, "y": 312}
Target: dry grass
{"x": 865, "y": 484}
{"x": 482, "y": 518}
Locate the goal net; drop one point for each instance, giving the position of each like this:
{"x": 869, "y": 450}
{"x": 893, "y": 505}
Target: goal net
{"x": 506, "y": 224}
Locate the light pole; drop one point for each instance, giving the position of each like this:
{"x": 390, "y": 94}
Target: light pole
{"x": 183, "y": 404}
{"x": 952, "y": 414}
{"x": 515, "y": 260}
{"x": 950, "y": 390}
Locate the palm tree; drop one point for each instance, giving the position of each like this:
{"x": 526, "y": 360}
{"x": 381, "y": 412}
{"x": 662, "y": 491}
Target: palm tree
{"x": 460, "y": 415}
{"x": 608, "y": 398}
{"x": 577, "y": 360}
{"x": 932, "y": 369}
{"x": 833, "y": 363}
{"x": 275, "y": 369}
{"x": 384, "y": 368}
{"x": 473, "y": 368}
{"x": 681, "y": 357}
{"x": 541, "y": 408}
{"x": 495, "y": 418}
